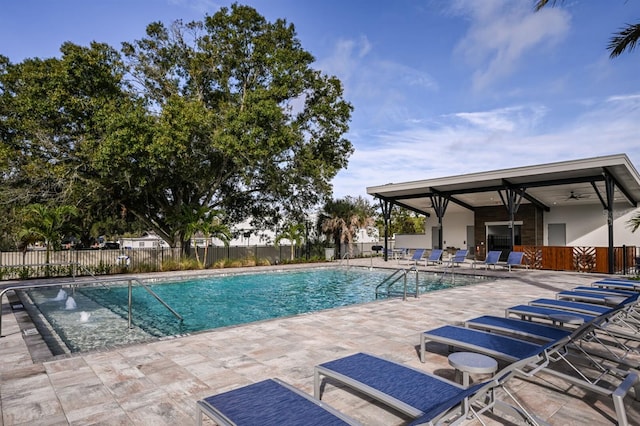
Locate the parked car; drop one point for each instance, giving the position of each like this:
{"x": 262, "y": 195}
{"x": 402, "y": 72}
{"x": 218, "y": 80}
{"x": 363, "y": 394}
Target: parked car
{"x": 110, "y": 245}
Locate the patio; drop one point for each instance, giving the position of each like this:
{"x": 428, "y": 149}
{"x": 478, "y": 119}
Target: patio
{"x": 159, "y": 382}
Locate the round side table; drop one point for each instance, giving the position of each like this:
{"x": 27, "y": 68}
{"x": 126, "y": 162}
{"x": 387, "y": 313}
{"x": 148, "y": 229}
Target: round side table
{"x": 472, "y": 363}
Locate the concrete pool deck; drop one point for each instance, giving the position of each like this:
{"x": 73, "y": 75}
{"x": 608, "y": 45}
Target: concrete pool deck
{"x": 159, "y": 382}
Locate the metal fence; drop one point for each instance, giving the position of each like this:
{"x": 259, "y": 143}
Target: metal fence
{"x": 67, "y": 263}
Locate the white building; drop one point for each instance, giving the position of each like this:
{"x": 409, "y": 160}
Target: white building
{"x": 581, "y": 203}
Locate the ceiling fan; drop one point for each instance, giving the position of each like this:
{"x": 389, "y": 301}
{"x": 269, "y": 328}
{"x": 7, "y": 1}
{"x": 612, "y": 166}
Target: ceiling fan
{"x": 574, "y": 196}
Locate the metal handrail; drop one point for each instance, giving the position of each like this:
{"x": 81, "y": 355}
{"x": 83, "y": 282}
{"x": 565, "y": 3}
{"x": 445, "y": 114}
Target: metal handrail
{"x": 404, "y": 273}
{"x": 444, "y": 272}
{"x": 76, "y": 283}
{"x": 177, "y": 315}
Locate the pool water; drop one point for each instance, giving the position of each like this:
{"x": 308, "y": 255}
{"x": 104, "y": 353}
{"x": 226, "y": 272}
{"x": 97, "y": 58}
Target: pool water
{"x": 98, "y": 315}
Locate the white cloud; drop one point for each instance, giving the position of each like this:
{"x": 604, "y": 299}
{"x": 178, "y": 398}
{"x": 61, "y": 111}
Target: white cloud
{"x": 501, "y": 32}
{"x": 379, "y": 87}
{"x": 482, "y": 141}
{"x": 513, "y": 119}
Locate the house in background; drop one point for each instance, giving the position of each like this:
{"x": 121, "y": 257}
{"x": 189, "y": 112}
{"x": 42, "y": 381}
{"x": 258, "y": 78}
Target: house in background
{"x": 149, "y": 240}
{"x": 581, "y": 206}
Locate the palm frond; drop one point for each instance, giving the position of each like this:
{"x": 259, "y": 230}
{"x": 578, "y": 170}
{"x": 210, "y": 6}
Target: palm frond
{"x": 542, "y": 3}
{"x": 626, "y": 39}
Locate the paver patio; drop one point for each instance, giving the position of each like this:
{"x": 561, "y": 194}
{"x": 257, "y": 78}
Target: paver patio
{"x": 158, "y": 383}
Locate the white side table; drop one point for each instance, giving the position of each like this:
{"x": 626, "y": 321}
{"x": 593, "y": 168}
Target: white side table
{"x": 472, "y": 363}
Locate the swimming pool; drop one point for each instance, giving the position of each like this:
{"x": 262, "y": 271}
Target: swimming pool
{"x": 96, "y": 317}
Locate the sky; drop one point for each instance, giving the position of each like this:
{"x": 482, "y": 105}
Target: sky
{"x": 439, "y": 88}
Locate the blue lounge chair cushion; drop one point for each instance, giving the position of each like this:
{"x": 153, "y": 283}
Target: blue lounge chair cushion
{"x": 479, "y": 341}
{"x": 417, "y": 255}
{"x": 620, "y": 284}
{"x": 492, "y": 259}
{"x": 427, "y": 393}
{"x": 542, "y": 312}
{"x": 459, "y": 257}
{"x": 270, "y": 403}
{"x": 610, "y": 291}
{"x": 518, "y": 327}
{"x": 585, "y": 308}
{"x": 584, "y": 296}
{"x": 435, "y": 256}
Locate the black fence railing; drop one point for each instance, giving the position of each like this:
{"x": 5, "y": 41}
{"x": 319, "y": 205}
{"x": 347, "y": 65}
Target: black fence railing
{"x": 68, "y": 263}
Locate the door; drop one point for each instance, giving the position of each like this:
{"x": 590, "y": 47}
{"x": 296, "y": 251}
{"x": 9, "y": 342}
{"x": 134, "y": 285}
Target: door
{"x": 471, "y": 240}
{"x": 557, "y": 233}
{"x": 435, "y": 237}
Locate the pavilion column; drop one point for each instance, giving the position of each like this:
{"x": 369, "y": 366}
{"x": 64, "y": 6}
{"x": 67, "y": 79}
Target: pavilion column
{"x": 385, "y": 206}
{"x": 511, "y": 200}
{"x": 609, "y": 184}
{"x": 439, "y": 204}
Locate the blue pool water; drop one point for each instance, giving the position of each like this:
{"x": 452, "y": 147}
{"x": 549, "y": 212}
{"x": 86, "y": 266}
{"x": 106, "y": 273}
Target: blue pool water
{"x": 97, "y": 318}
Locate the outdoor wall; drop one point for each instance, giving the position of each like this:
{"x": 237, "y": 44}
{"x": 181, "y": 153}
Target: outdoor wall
{"x": 454, "y": 228}
{"x": 587, "y": 225}
{"x": 412, "y": 241}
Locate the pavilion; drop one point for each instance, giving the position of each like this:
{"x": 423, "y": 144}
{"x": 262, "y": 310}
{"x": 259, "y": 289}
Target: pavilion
{"x": 582, "y": 203}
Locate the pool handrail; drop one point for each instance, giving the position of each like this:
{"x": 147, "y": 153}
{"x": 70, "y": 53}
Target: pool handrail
{"x": 130, "y": 281}
{"x": 404, "y": 276}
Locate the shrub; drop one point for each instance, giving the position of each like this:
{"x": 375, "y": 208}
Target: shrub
{"x": 219, "y": 264}
{"x": 263, "y": 262}
{"x": 249, "y": 261}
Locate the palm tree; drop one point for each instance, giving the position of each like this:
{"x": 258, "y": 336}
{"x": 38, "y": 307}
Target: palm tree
{"x": 294, "y": 232}
{"x": 214, "y": 228}
{"x": 634, "y": 222}
{"x": 209, "y": 223}
{"x": 46, "y": 224}
{"x": 625, "y": 39}
{"x": 342, "y": 218}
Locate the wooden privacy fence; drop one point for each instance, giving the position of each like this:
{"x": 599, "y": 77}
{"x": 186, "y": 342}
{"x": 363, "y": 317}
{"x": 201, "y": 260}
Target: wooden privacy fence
{"x": 579, "y": 258}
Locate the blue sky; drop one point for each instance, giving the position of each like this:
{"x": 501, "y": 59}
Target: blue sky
{"x": 439, "y": 87}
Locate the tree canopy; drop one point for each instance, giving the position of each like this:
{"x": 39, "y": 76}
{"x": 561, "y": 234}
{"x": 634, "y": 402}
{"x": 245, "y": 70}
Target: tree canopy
{"x": 225, "y": 114}
{"x": 341, "y": 219}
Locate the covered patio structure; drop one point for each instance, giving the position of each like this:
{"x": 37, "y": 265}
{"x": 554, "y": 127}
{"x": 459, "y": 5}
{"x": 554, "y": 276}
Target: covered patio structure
{"x": 580, "y": 203}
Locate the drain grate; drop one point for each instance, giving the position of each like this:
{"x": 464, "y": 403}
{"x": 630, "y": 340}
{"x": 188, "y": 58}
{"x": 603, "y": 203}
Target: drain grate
{"x": 30, "y": 331}
{"x": 17, "y": 306}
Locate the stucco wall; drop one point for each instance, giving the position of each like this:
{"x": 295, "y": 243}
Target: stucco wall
{"x": 587, "y": 225}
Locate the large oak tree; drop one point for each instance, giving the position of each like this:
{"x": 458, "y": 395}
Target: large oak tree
{"x": 224, "y": 115}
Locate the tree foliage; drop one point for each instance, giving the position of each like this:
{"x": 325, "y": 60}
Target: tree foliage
{"x": 341, "y": 219}
{"x": 46, "y": 224}
{"x": 225, "y": 114}
{"x": 625, "y": 39}
{"x": 293, "y": 232}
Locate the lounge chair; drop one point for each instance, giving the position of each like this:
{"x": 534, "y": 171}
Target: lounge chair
{"x": 519, "y": 328}
{"x": 270, "y": 402}
{"x": 435, "y": 257}
{"x": 590, "y": 297}
{"x": 530, "y": 312}
{"x": 458, "y": 258}
{"x": 624, "y": 324}
{"x": 617, "y": 283}
{"x": 417, "y": 257}
{"x": 569, "y": 305}
{"x": 427, "y": 398}
{"x": 609, "y": 291}
{"x": 566, "y": 350}
{"x": 492, "y": 259}
{"x": 514, "y": 259}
